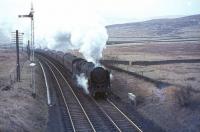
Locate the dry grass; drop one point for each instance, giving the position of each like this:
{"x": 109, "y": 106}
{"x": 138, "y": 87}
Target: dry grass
{"x": 174, "y": 108}
{"x": 153, "y": 51}
{"x": 19, "y": 110}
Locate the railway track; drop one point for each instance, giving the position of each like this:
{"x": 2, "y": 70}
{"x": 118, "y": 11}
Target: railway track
{"x": 78, "y": 117}
{"x": 59, "y": 119}
{"x": 85, "y": 113}
{"x": 116, "y": 116}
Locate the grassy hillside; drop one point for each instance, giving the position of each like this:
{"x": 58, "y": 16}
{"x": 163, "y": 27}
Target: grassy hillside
{"x": 157, "y": 29}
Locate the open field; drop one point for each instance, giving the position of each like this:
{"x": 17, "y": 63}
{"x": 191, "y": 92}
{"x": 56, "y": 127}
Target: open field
{"x": 153, "y": 51}
{"x": 177, "y": 73}
{"x": 19, "y": 111}
{"x": 174, "y": 107}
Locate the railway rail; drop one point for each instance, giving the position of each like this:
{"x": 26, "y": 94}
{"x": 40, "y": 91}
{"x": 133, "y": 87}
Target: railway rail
{"x": 56, "y": 102}
{"x": 85, "y": 113}
{"x": 116, "y": 116}
{"x": 77, "y": 115}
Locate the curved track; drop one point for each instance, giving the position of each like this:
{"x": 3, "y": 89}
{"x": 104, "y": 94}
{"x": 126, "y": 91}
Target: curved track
{"x": 78, "y": 117}
{"x": 116, "y": 116}
{"x": 85, "y": 113}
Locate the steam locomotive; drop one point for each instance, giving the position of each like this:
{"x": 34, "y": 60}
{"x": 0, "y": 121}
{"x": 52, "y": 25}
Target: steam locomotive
{"x": 98, "y": 77}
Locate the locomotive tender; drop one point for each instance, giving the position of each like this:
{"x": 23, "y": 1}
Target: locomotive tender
{"x": 98, "y": 77}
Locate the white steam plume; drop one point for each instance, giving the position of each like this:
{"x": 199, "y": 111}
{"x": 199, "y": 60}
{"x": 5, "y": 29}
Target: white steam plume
{"x": 59, "y": 25}
{"x": 82, "y": 82}
{"x": 70, "y": 24}
{"x": 111, "y": 76}
{"x": 90, "y": 42}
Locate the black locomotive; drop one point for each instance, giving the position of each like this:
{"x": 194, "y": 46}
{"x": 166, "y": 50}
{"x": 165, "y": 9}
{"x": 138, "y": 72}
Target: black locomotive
{"x": 98, "y": 77}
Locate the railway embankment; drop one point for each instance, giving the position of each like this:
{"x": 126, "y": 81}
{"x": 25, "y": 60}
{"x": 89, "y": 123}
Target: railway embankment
{"x": 19, "y": 110}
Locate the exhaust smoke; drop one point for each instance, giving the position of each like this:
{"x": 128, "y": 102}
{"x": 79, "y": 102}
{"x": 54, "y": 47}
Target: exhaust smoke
{"x": 62, "y": 25}
{"x": 90, "y": 42}
{"x": 74, "y": 25}
{"x": 82, "y": 81}
{"x": 111, "y": 76}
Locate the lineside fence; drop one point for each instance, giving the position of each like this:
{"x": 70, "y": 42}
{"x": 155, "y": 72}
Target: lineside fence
{"x": 148, "y": 63}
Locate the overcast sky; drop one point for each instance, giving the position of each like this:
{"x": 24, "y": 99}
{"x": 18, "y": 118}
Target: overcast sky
{"x": 66, "y": 13}
{"x": 113, "y": 11}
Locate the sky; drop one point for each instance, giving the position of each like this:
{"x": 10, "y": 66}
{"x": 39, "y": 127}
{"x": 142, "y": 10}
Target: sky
{"x": 64, "y": 15}
{"x": 113, "y": 11}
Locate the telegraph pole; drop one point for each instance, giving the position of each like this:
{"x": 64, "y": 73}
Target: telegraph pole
{"x": 17, "y": 38}
{"x": 17, "y": 49}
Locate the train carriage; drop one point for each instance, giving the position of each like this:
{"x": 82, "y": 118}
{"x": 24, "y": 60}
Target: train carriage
{"x": 59, "y": 57}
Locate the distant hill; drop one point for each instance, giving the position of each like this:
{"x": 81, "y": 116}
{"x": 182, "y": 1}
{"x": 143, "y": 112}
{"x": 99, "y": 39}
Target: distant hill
{"x": 184, "y": 27}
